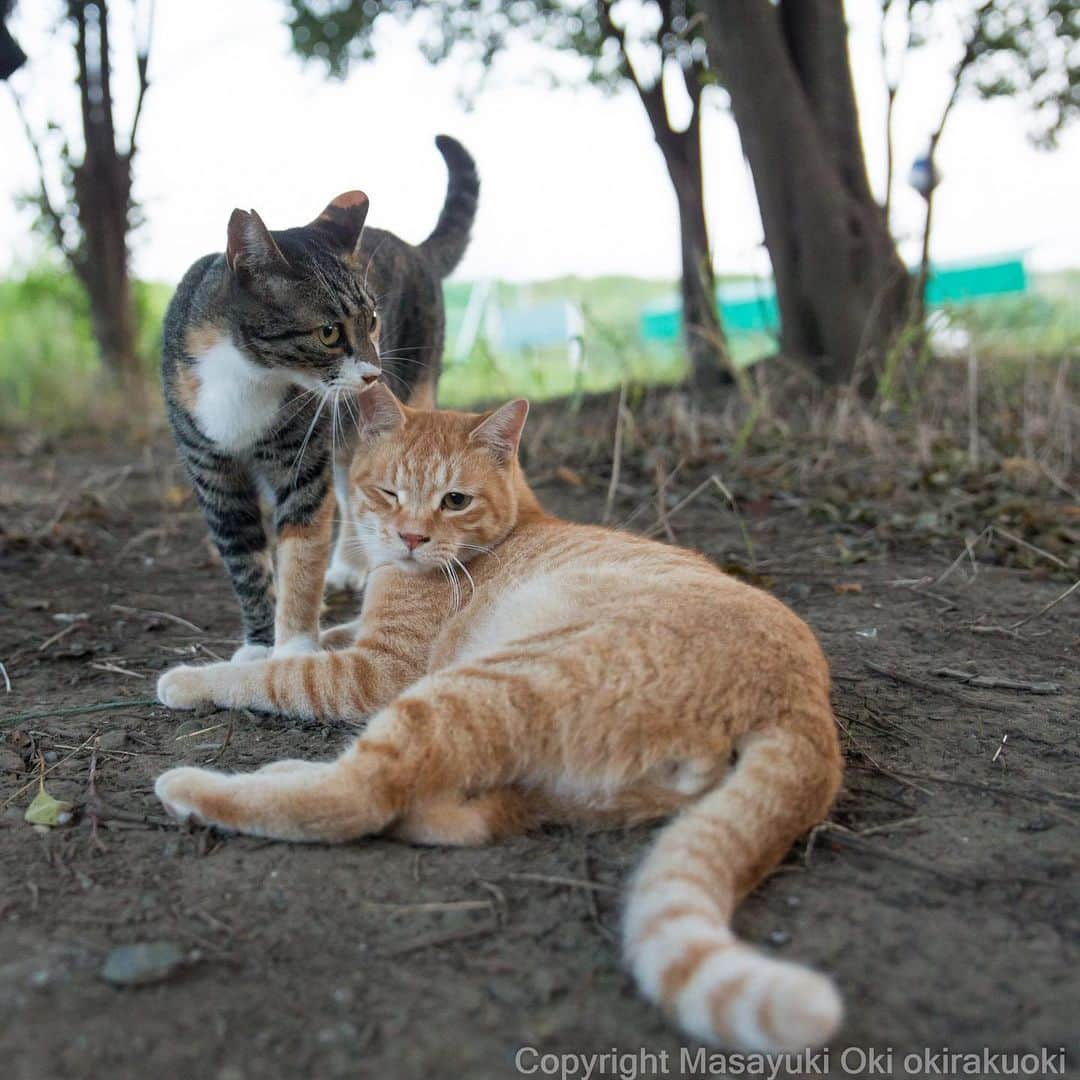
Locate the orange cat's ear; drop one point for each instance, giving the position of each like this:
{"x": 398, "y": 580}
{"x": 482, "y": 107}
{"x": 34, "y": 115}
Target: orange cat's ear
{"x": 500, "y": 431}
{"x": 250, "y": 245}
{"x": 344, "y": 219}
{"x": 380, "y": 411}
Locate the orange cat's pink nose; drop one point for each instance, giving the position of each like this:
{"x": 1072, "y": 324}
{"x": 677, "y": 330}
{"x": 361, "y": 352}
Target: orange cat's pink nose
{"x": 413, "y": 540}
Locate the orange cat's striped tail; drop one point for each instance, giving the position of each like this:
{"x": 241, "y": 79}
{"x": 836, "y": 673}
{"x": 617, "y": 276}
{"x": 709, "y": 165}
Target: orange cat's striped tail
{"x": 677, "y": 936}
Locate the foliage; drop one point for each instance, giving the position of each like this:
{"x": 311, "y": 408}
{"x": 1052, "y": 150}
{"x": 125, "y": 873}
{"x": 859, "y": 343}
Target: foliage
{"x": 340, "y": 32}
{"x": 1024, "y": 50}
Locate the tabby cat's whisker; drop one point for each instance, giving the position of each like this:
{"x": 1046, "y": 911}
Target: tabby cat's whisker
{"x": 295, "y": 471}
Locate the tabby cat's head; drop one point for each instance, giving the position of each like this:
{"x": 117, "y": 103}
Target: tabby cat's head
{"x": 298, "y": 298}
{"x": 431, "y": 487}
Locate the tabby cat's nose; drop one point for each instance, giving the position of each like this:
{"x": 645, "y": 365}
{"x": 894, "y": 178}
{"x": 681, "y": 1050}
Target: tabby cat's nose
{"x": 413, "y": 540}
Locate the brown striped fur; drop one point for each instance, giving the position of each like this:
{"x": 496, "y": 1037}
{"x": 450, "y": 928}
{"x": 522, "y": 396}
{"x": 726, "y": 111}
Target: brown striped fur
{"x": 515, "y": 669}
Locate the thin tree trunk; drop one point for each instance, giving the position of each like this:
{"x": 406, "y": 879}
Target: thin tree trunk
{"x": 103, "y": 198}
{"x": 702, "y": 332}
{"x": 890, "y": 151}
{"x": 841, "y": 288}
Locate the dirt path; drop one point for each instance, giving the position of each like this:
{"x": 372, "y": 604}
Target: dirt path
{"x": 944, "y": 897}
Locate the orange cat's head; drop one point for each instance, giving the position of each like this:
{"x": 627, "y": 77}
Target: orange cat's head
{"x": 429, "y": 487}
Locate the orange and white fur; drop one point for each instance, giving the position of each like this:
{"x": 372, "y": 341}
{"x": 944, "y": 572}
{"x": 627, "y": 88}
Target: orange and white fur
{"x": 517, "y": 669}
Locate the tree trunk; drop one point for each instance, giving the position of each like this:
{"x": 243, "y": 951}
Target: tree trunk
{"x": 103, "y": 197}
{"x": 841, "y": 287}
{"x": 702, "y": 332}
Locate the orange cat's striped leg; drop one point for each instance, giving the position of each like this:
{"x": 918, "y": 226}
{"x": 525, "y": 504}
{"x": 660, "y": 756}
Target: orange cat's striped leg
{"x": 346, "y": 684}
{"x": 453, "y": 820}
{"x": 342, "y": 636}
{"x": 287, "y": 800}
{"x": 453, "y": 732}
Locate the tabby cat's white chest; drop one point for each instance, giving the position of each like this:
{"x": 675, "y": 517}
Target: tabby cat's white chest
{"x": 237, "y": 401}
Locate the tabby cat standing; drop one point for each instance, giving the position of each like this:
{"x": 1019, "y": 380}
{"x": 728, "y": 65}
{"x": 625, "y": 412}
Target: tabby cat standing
{"x": 265, "y": 347}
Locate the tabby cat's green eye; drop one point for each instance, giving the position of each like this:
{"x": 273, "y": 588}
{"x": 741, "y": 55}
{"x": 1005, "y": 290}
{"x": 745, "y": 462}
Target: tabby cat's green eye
{"x": 329, "y": 335}
{"x": 456, "y": 500}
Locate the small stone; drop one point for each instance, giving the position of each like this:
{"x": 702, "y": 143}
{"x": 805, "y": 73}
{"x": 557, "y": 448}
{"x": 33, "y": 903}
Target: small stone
{"x": 189, "y": 727}
{"x": 779, "y": 937}
{"x": 51, "y": 755}
{"x": 138, "y": 965}
{"x": 112, "y": 740}
{"x": 1038, "y": 824}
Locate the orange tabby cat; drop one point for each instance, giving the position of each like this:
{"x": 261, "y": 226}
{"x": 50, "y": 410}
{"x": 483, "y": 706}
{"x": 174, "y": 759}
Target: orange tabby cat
{"x": 518, "y": 669}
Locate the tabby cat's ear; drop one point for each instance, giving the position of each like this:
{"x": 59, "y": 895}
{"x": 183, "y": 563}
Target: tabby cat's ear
{"x": 344, "y": 220}
{"x": 380, "y": 411}
{"x": 250, "y": 246}
{"x": 500, "y": 432}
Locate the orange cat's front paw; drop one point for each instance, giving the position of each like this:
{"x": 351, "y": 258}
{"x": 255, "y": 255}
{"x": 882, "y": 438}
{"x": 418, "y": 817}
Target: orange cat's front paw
{"x": 183, "y": 790}
{"x": 184, "y": 687}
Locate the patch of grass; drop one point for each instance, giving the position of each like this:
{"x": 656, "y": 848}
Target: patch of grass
{"x": 51, "y": 378}
{"x": 50, "y": 373}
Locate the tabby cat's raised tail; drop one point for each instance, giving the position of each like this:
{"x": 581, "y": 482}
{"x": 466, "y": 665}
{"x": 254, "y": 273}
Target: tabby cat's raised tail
{"x": 446, "y": 245}
{"x": 677, "y": 937}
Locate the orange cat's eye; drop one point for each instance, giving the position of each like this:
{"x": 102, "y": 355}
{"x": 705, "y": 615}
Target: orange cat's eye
{"x": 391, "y": 495}
{"x": 329, "y": 335}
{"x": 456, "y": 500}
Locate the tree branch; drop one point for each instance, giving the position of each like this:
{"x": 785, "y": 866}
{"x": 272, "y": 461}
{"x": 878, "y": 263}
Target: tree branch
{"x": 56, "y": 223}
{"x": 142, "y": 61}
{"x": 77, "y": 12}
{"x": 105, "y": 70}
{"x": 652, "y": 97}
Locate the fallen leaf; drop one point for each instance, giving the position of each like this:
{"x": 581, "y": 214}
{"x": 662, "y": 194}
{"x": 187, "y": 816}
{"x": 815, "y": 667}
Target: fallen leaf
{"x": 45, "y": 810}
{"x": 568, "y": 476}
{"x": 847, "y": 587}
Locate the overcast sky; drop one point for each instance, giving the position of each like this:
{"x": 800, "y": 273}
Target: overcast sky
{"x": 572, "y": 181}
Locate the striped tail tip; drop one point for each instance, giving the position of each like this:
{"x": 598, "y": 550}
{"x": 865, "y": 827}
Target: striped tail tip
{"x": 730, "y": 995}
{"x": 687, "y": 961}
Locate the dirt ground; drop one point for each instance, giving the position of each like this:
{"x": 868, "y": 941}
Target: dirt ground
{"x": 944, "y": 896}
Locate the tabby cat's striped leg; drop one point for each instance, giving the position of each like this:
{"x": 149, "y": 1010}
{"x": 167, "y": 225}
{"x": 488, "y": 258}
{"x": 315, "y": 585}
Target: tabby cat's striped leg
{"x": 303, "y": 520}
{"x": 229, "y": 501}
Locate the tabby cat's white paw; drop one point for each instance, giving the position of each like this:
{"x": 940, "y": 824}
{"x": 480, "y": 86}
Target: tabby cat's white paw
{"x": 246, "y": 653}
{"x": 341, "y": 577}
{"x": 300, "y": 645}
{"x": 183, "y": 687}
